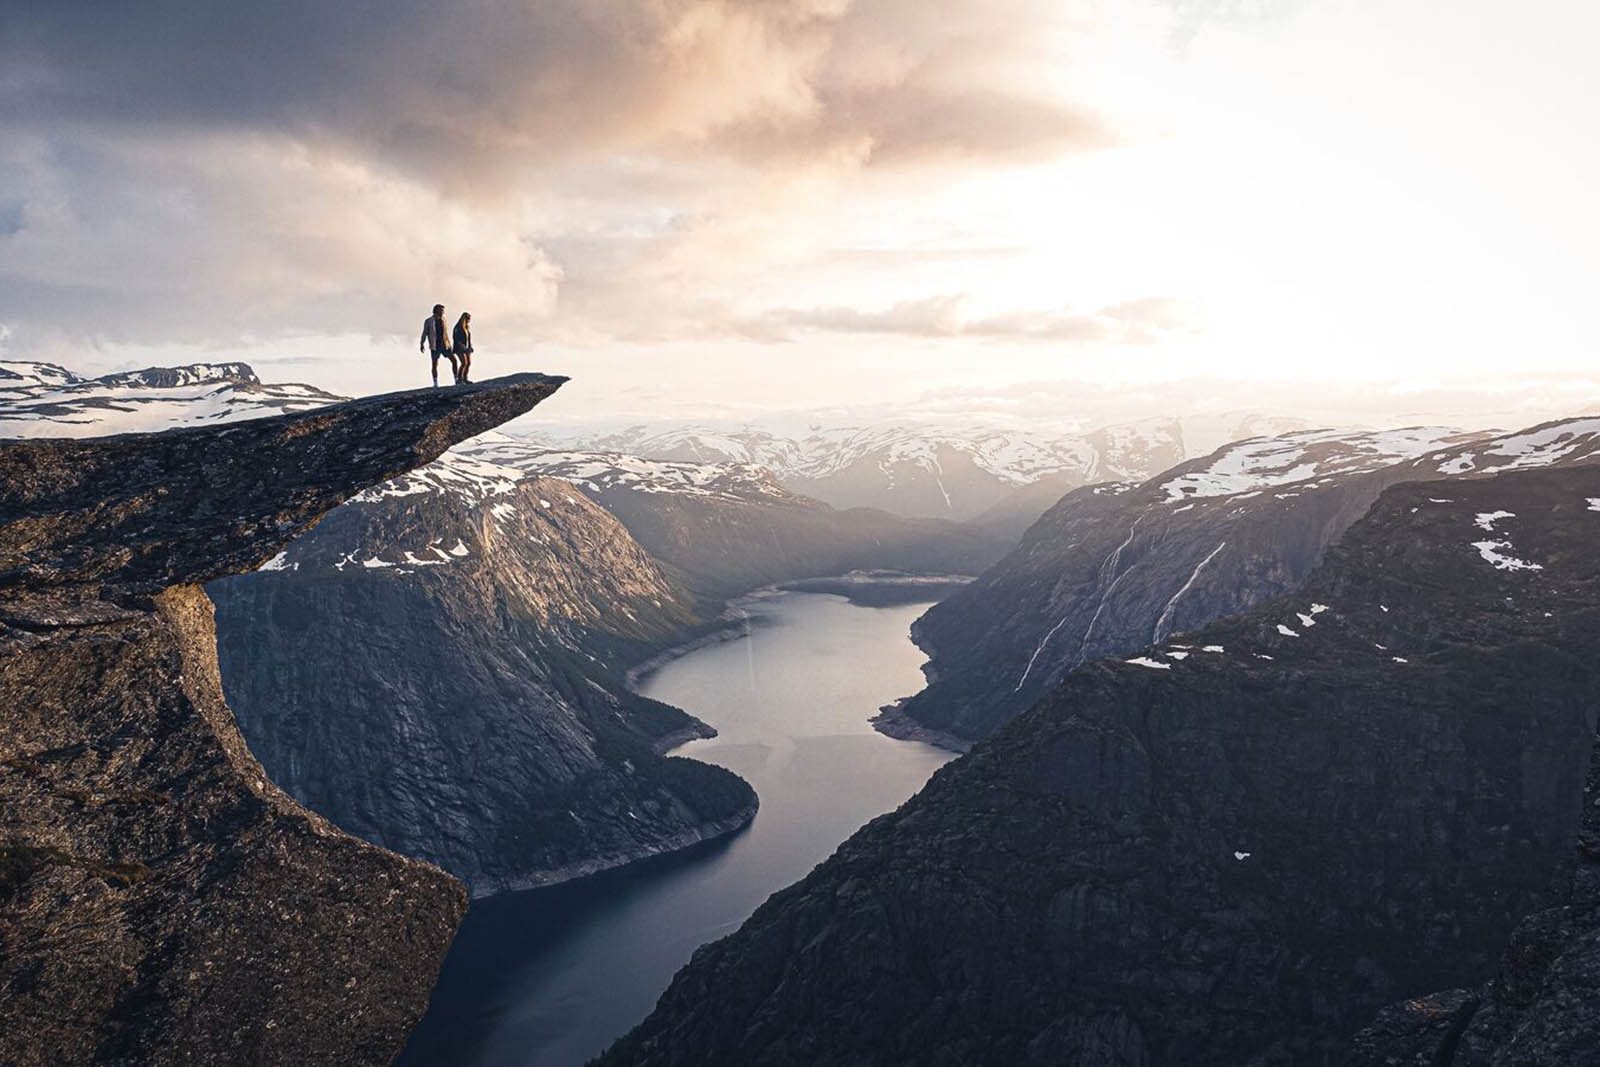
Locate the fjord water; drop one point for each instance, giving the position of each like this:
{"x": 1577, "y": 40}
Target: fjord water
{"x": 550, "y": 977}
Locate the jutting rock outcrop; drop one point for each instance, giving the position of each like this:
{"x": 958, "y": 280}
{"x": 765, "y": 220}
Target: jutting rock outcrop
{"x": 1230, "y": 849}
{"x": 160, "y": 899}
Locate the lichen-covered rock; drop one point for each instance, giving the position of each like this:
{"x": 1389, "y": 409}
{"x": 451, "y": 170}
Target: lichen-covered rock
{"x": 161, "y": 901}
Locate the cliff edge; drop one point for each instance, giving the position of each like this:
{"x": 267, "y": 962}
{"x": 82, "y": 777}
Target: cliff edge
{"x": 160, "y": 899}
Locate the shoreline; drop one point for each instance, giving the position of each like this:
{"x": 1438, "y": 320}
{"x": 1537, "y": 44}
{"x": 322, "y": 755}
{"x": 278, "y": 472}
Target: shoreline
{"x": 734, "y": 623}
{"x": 892, "y": 721}
{"x": 709, "y": 831}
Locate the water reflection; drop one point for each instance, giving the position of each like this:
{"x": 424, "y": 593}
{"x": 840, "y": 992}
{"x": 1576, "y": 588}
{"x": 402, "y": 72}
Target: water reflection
{"x": 552, "y": 976}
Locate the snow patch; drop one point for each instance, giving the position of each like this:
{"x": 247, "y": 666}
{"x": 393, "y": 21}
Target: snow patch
{"x": 1246, "y": 468}
{"x": 1495, "y": 553}
{"x": 1145, "y": 661}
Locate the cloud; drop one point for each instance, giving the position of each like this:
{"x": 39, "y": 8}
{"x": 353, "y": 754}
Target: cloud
{"x": 573, "y": 169}
{"x": 467, "y": 95}
{"x": 214, "y": 239}
{"x": 1139, "y": 321}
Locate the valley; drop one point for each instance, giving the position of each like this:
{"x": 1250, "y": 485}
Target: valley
{"x": 800, "y": 533}
{"x": 551, "y": 977}
{"x": 645, "y": 701}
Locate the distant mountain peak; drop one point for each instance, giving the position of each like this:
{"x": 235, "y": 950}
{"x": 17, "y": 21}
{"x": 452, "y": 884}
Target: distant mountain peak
{"x": 190, "y": 374}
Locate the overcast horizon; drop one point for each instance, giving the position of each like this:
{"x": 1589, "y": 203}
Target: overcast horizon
{"x": 1044, "y": 212}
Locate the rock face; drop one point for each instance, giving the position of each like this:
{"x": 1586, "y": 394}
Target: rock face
{"x": 1231, "y": 849}
{"x": 1539, "y": 1009}
{"x": 1111, "y": 568}
{"x": 440, "y": 667}
{"x": 160, "y": 899}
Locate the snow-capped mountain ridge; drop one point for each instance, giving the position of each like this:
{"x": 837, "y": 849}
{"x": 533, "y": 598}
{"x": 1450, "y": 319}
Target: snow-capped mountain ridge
{"x": 604, "y": 470}
{"x": 1561, "y": 441}
{"x": 1016, "y": 457}
{"x": 44, "y": 400}
{"x": 917, "y": 469}
{"x": 1305, "y": 459}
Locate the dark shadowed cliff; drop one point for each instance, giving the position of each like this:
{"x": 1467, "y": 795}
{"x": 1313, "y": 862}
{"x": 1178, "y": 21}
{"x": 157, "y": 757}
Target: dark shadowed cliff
{"x": 1231, "y": 849}
{"x": 1539, "y": 1009}
{"x": 161, "y": 900}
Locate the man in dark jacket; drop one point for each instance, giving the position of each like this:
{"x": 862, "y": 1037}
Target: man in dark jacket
{"x": 436, "y": 340}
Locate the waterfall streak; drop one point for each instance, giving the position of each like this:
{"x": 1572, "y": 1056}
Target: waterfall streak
{"x": 1110, "y": 566}
{"x": 1156, "y": 636}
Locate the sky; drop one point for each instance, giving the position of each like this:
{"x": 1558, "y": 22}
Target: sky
{"x": 717, "y": 210}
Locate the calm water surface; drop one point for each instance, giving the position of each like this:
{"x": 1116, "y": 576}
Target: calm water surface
{"x": 550, "y": 977}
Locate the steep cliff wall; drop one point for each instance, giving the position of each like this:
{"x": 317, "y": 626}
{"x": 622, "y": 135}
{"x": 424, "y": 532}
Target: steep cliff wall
{"x": 160, "y": 899}
{"x": 441, "y": 669}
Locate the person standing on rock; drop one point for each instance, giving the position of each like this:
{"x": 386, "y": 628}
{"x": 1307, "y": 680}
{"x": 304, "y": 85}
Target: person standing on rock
{"x": 436, "y": 340}
{"x": 461, "y": 338}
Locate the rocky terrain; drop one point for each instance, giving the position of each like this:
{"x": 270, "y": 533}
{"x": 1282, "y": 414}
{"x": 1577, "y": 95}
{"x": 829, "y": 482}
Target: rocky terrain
{"x": 930, "y": 471}
{"x": 1229, "y": 849}
{"x": 1111, "y": 568}
{"x": 1538, "y": 1009}
{"x": 440, "y": 667}
{"x": 161, "y": 901}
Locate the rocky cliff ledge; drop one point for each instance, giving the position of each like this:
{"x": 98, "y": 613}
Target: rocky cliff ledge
{"x": 160, "y": 900}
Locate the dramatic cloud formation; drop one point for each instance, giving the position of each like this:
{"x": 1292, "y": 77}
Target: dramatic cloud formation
{"x": 465, "y": 92}
{"x": 888, "y": 190}
{"x": 596, "y": 168}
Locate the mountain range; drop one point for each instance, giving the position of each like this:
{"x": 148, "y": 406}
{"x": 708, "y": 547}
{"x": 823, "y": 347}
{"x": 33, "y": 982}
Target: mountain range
{"x": 1276, "y": 753}
{"x": 1111, "y": 568}
{"x": 922, "y": 470}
